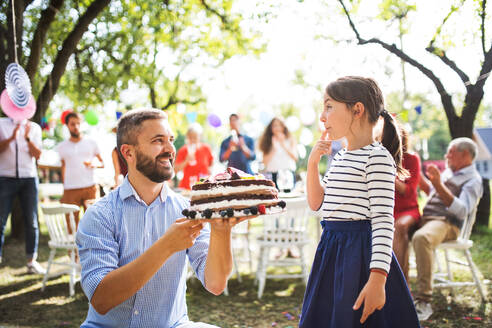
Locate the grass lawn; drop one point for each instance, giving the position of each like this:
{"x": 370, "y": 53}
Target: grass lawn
{"x": 23, "y": 304}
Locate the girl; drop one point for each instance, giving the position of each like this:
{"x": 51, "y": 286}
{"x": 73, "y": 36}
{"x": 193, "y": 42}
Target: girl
{"x": 355, "y": 279}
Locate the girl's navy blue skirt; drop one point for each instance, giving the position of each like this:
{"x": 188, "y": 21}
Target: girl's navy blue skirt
{"x": 340, "y": 271}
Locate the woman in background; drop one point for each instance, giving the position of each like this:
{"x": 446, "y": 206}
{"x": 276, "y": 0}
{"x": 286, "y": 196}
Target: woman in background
{"x": 406, "y": 210}
{"x": 194, "y": 158}
{"x": 279, "y": 152}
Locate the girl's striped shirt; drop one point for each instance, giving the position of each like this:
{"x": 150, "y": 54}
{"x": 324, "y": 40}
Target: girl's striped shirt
{"x": 360, "y": 185}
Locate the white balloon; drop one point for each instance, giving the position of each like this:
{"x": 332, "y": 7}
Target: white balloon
{"x": 292, "y": 123}
{"x": 308, "y": 116}
{"x": 301, "y": 150}
{"x": 306, "y": 137}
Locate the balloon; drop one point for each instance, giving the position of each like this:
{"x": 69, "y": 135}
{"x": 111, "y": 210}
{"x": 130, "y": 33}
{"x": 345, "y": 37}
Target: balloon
{"x": 418, "y": 109}
{"x": 191, "y": 117}
{"x": 308, "y": 116}
{"x": 214, "y": 120}
{"x": 118, "y": 115}
{"x": 64, "y": 114}
{"x": 306, "y": 137}
{"x": 91, "y": 117}
{"x": 292, "y": 123}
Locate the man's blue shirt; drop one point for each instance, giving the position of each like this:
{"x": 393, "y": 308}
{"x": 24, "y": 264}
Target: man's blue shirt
{"x": 118, "y": 229}
{"x": 237, "y": 159}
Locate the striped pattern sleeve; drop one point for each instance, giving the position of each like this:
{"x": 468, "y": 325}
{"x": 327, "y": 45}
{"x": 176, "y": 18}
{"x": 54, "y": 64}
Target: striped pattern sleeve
{"x": 380, "y": 175}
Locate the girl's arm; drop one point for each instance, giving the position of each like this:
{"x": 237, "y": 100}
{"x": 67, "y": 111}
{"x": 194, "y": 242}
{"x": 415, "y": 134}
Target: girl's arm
{"x": 315, "y": 191}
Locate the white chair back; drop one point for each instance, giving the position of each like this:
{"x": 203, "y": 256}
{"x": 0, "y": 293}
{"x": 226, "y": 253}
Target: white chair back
{"x": 61, "y": 238}
{"x": 56, "y": 222}
{"x": 467, "y": 227}
{"x": 289, "y": 225}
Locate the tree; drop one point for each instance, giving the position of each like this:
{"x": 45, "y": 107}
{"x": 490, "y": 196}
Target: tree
{"x": 89, "y": 50}
{"x": 29, "y": 51}
{"x": 460, "y": 123}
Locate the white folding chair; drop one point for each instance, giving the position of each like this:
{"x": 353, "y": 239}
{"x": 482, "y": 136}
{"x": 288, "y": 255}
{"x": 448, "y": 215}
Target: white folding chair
{"x": 285, "y": 230}
{"x": 241, "y": 251}
{"x": 60, "y": 238}
{"x": 461, "y": 244}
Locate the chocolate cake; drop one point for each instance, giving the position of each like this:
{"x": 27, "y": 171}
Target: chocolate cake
{"x": 233, "y": 193}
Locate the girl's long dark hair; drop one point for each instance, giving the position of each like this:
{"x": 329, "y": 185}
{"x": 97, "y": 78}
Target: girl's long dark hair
{"x": 353, "y": 89}
{"x": 265, "y": 142}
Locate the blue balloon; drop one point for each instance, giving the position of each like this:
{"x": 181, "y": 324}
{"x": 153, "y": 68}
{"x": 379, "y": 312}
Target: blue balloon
{"x": 418, "y": 109}
{"x": 118, "y": 115}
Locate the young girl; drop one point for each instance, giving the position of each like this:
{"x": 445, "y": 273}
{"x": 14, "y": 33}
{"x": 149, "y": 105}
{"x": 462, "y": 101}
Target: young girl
{"x": 355, "y": 280}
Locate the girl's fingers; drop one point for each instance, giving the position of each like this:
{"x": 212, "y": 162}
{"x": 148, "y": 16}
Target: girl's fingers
{"x": 324, "y": 134}
{"x": 358, "y": 302}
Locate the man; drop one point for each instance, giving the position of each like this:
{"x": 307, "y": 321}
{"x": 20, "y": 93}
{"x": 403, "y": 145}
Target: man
{"x": 238, "y": 149}
{"x": 454, "y": 196}
{"x": 195, "y": 158}
{"x": 20, "y": 147}
{"x": 134, "y": 243}
{"x": 77, "y": 155}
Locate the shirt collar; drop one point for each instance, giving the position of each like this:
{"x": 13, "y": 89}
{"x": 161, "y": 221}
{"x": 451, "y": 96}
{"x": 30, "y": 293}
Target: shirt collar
{"x": 126, "y": 190}
{"x": 465, "y": 170}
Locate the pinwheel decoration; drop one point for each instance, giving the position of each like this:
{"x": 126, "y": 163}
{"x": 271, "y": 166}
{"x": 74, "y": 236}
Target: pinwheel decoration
{"x": 16, "y": 100}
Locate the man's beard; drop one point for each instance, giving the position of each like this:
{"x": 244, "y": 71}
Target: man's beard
{"x": 148, "y": 167}
{"x": 74, "y": 134}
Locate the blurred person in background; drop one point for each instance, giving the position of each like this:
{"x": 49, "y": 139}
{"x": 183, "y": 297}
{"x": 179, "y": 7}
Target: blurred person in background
{"x": 237, "y": 149}
{"x": 20, "y": 147}
{"x": 194, "y": 158}
{"x": 406, "y": 211}
{"x": 279, "y": 153}
{"x": 453, "y": 196}
{"x": 77, "y": 155}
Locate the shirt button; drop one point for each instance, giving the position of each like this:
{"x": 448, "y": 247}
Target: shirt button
{"x": 136, "y": 312}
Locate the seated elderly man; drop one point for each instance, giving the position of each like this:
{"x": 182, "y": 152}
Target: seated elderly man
{"x": 134, "y": 245}
{"x": 453, "y": 196}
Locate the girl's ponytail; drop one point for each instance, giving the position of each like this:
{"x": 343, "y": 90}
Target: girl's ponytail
{"x": 391, "y": 140}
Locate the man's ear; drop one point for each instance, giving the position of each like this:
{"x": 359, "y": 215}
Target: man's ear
{"x": 128, "y": 152}
{"x": 358, "y": 110}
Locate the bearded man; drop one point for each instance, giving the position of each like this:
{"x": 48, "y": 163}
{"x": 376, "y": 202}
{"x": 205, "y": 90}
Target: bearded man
{"x": 77, "y": 156}
{"x": 134, "y": 243}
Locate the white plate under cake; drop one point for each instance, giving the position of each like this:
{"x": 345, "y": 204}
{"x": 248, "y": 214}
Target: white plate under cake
{"x": 233, "y": 193}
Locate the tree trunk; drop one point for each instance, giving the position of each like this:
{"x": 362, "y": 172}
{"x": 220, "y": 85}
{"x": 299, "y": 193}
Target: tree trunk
{"x": 483, "y": 210}
{"x": 68, "y": 48}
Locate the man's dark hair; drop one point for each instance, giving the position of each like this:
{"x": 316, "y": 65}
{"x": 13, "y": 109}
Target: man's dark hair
{"x": 233, "y": 115}
{"x": 130, "y": 124}
{"x": 70, "y": 115}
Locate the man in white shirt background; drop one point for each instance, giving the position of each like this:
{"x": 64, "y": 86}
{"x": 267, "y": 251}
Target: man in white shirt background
{"x": 20, "y": 147}
{"x": 77, "y": 161}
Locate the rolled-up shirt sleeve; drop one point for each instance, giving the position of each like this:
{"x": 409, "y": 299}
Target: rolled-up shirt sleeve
{"x": 98, "y": 248}
{"x": 197, "y": 254}
{"x": 464, "y": 204}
